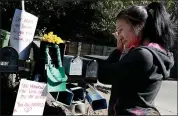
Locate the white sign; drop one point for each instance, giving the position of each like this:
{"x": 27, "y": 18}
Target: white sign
{"x": 76, "y": 66}
{"x": 22, "y": 32}
{"x": 31, "y": 98}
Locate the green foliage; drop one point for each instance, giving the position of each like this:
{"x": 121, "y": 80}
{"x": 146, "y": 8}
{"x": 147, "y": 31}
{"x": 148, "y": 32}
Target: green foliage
{"x": 108, "y": 9}
{"x": 90, "y": 21}
{"x": 105, "y": 13}
{"x": 172, "y": 8}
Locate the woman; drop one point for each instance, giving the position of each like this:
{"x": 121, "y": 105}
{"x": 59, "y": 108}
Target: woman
{"x": 140, "y": 62}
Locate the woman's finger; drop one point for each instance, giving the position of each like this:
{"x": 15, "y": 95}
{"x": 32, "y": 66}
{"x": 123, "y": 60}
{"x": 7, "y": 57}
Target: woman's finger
{"x": 124, "y": 46}
{"x": 115, "y": 34}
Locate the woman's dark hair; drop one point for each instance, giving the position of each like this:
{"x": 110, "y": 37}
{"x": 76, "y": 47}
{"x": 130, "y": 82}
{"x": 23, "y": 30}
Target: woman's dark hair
{"x": 152, "y": 21}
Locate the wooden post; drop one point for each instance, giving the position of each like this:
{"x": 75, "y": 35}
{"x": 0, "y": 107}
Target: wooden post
{"x": 104, "y": 50}
{"x": 79, "y": 49}
{"x": 67, "y": 47}
{"x": 92, "y": 49}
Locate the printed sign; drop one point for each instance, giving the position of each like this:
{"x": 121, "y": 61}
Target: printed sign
{"x": 76, "y": 66}
{"x": 22, "y": 32}
{"x": 31, "y": 98}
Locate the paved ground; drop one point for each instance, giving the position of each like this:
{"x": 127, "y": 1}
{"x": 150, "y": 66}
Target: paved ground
{"x": 167, "y": 99}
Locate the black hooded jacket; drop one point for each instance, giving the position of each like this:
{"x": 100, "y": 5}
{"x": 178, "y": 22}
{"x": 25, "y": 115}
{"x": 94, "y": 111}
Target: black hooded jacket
{"x": 135, "y": 79}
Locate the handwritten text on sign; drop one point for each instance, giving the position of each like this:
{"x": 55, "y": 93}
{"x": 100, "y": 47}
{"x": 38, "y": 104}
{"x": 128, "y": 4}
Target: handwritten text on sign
{"x": 22, "y": 29}
{"x": 31, "y": 98}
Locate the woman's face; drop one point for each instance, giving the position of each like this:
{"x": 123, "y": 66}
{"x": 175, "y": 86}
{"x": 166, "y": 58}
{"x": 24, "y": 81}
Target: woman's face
{"x": 126, "y": 33}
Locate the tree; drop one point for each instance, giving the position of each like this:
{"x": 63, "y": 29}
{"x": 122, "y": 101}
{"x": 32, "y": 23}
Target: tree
{"x": 90, "y": 21}
{"x": 70, "y": 19}
{"x": 106, "y": 11}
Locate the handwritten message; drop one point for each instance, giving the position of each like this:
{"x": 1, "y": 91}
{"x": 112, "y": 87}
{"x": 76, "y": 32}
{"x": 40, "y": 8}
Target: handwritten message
{"x": 22, "y": 30}
{"x": 31, "y": 98}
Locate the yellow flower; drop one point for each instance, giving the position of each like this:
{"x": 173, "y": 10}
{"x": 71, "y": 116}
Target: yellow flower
{"x": 52, "y": 38}
{"x": 58, "y": 42}
{"x": 45, "y": 36}
{"x": 61, "y": 41}
{"x": 55, "y": 36}
{"x": 50, "y": 33}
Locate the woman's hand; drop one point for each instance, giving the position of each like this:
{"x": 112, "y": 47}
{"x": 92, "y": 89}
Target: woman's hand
{"x": 120, "y": 45}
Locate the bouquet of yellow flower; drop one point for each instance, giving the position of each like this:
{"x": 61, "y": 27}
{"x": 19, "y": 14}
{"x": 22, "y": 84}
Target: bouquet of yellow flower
{"x": 51, "y": 38}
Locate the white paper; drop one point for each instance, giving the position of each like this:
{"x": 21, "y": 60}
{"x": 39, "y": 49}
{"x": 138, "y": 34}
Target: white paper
{"x": 22, "y": 32}
{"x": 76, "y": 66}
{"x": 30, "y": 99}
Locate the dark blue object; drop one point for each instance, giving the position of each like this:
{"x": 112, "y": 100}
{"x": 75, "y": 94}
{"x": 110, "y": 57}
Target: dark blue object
{"x": 96, "y": 101}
